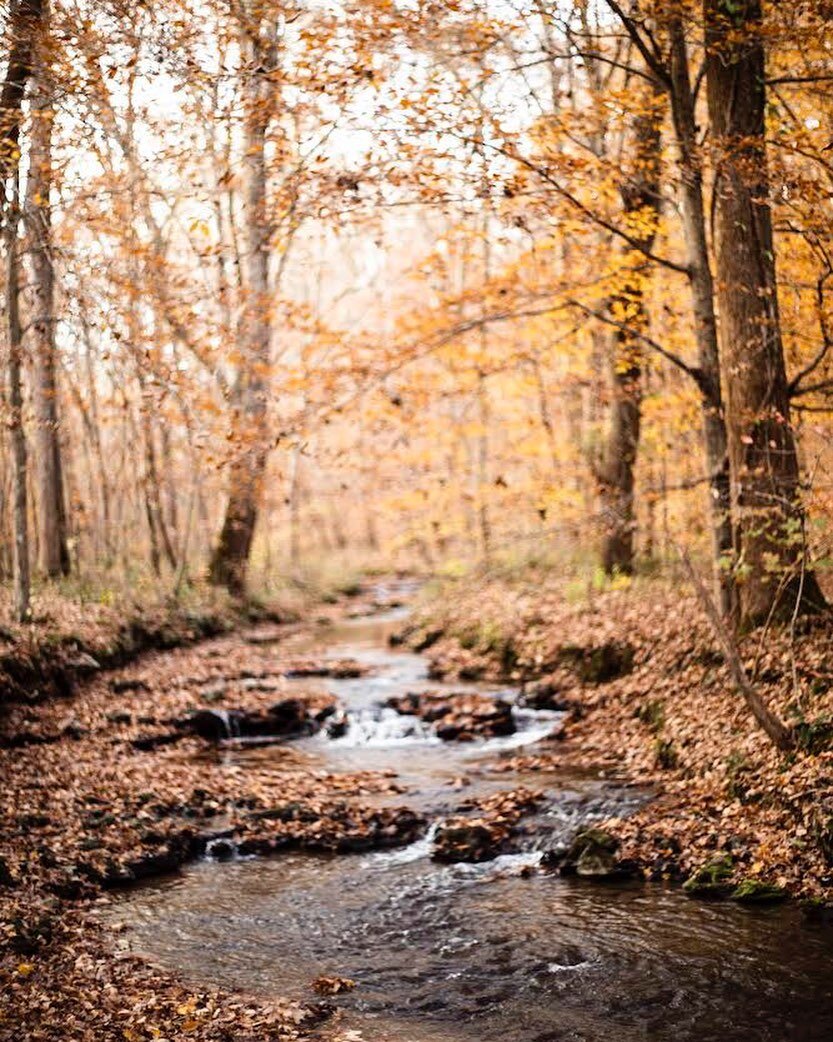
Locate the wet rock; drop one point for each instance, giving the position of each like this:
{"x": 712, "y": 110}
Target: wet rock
{"x": 755, "y": 891}
{"x": 214, "y": 724}
{"x": 257, "y": 846}
{"x": 407, "y": 704}
{"x": 544, "y": 694}
{"x": 285, "y": 717}
{"x": 223, "y": 849}
{"x": 337, "y": 725}
{"x": 454, "y": 733}
{"x": 711, "y": 879}
{"x": 176, "y": 850}
{"x": 149, "y": 742}
{"x": 120, "y": 716}
{"x": 471, "y": 841}
{"x": 592, "y": 854}
{"x": 460, "y": 716}
{"x": 125, "y": 684}
{"x": 288, "y": 717}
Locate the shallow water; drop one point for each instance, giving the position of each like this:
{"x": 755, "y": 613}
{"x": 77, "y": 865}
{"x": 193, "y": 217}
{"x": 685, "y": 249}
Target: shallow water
{"x": 482, "y": 952}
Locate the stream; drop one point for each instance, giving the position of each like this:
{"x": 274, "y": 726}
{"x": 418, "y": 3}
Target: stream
{"x": 479, "y": 951}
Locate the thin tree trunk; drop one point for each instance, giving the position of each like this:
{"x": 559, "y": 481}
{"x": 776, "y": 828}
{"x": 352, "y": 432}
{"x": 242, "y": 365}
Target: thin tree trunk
{"x": 160, "y": 538}
{"x": 53, "y": 553}
{"x": 775, "y": 728}
{"x": 705, "y": 321}
{"x": 762, "y": 449}
{"x": 294, "y": 497}
{"x": 484, "y": 412}
{"x": 484, "y": 419}
{"x": 231, "y": 555}
{"x": 615, "y": 473}
{"x": 20, "y": 552}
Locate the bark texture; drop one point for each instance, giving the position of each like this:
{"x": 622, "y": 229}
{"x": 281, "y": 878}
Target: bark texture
{"x": 24, "y": 25}
{"x": 53, "y": 551}
{"x": 615, "y": 472}
{"x": 762, "y": 449}
{"x": 703, "y": 307}
{"x": 231, "y": 555}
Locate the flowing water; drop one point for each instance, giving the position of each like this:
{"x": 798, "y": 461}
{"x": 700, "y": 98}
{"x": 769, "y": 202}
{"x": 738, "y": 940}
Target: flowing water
{"x": 481, "y": 952}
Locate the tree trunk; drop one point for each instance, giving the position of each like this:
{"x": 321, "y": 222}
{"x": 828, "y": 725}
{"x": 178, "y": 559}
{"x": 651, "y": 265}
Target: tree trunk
{"x": 705, "y": 321}
{"x": 294, "y": 500}
{"x": 231, "y": 555}
{"x": 762, "y": 449}
{"x": 615, "y": 473}
{"x": 24, "y": 23}
{"x": 20, "y": 550}
{"x": 53, "y": 552}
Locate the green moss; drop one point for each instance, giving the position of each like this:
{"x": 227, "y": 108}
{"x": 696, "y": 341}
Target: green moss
{"x": 757, "y": 892}
{"x": 712, "y": 878}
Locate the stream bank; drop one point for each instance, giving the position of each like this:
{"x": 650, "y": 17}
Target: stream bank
{"x": 483, "y": 949}
{"x": 647, "y": 695}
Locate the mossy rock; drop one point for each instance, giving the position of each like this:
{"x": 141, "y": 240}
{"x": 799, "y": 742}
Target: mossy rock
{"x": 711, "y": 879}
{"x": 755, "y": 891}
{"x": 592, "y": 854}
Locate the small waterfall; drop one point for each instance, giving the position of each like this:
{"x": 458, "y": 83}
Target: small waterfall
{"x": 221, "y": 848}
{"x": 231, "y": 724}
{"x": 379, "y": 726}
{"x": 420, "y": 848}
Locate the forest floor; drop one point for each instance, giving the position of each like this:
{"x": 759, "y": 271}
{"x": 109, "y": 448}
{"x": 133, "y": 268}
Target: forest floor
{"x": 117, "y": 779}
{"x": 648, "y": 698}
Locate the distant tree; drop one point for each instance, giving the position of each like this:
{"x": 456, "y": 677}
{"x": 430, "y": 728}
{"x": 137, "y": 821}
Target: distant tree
{"x": 51, "y": 512}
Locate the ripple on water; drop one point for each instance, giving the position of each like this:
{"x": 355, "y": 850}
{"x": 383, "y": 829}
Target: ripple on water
{"x": 452, "y": 953}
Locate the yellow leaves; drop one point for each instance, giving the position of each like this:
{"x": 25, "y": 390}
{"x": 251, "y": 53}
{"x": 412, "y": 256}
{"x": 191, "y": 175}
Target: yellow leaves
{"x": 200, "y": 227}
{"x": 24, "y": 969}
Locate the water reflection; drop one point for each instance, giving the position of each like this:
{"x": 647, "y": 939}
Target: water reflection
{"x": 481, "y": 952}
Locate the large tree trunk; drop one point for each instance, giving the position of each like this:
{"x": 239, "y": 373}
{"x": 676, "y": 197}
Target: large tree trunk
{"x": 52, "y": 521}
{"x": 705, "y": 322}
{"x": 231, "y": 555}
{"x": 762, "y": 448}
{"x": 24, "y": 25}
{"x": 615, "y": 472}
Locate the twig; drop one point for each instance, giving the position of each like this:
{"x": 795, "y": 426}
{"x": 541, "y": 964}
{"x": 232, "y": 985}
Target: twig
{"x": 778, "y": 732}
